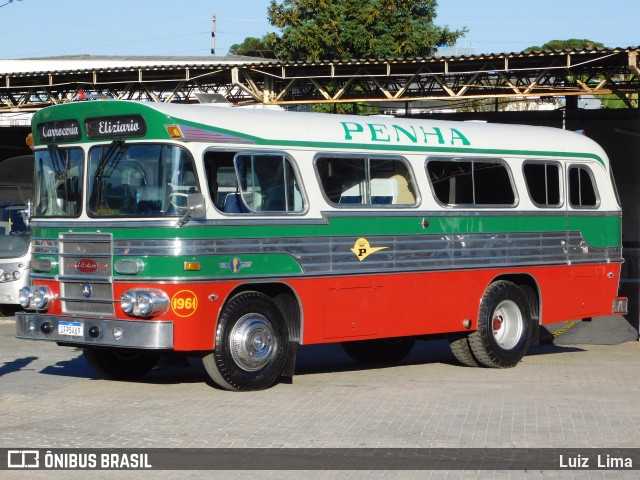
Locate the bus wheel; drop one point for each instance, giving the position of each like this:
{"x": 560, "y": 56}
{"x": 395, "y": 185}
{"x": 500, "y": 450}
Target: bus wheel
{"x": 120, "y": 363}
{"x": 250, "y": 348}
{"x": 381, "y": 350}
{"x": 504, "y": 331}
{"x": 461, "y": 350}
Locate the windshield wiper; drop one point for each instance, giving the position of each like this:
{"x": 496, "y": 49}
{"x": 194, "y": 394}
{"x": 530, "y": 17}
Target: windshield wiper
{"x": 107, "y": 156}
{"x": 105, "y": 159}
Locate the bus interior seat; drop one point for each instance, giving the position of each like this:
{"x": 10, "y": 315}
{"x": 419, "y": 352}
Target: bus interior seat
{"x": 352, "y": 193}
{"x": 384, "y": 191}
{"x": 406, "y": 195}
{"x": 234, "y": 204}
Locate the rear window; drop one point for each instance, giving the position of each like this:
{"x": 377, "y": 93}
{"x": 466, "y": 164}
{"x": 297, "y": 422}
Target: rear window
{"x": 582, "y": 189}
{"x": 543, "y": 183}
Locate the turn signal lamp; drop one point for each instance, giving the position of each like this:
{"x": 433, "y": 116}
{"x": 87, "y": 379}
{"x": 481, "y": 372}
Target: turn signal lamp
{"x": 192, "y": 266}
{"x": 174, "y": 131}
{"x": 129, "y": 266}
{"x": 43, "y": 264}
{"x": 29, "y": 141}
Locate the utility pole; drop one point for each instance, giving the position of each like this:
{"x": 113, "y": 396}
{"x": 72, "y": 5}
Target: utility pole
{"x": 7, "y": 3}
{"x": 213, "y": 35}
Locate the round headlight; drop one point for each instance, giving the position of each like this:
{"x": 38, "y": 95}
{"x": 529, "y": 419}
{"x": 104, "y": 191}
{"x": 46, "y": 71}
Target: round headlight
{"x": 139, "y": 302}
{"x": 7, "y": 277}
{"x": 144, "y": 303}
{"x": 17, "y": 275}
{"x": 41, "y": 298}
{"x": 24, "y": 297}
{"x": 127, "y": 302}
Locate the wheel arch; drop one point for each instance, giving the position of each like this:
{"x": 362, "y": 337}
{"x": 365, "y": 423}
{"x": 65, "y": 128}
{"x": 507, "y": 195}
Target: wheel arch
{"x": 284, "y": 297}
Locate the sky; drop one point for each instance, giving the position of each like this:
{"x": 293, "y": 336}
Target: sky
{"x": 44, "y": 28}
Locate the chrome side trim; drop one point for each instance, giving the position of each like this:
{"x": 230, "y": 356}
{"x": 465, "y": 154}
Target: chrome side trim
{"x": 333, "y": 255}
{"x": 146, "y": 334}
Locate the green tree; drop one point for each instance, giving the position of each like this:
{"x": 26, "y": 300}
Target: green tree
{"x": 312, "y": 30}
{"x": 253, "y": 47}
{"x": 571, "y": 44}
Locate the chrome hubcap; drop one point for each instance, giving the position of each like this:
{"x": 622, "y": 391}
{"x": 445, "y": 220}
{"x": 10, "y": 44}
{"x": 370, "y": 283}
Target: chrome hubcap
{"x": 507, "y": 324}
{"x": 252, "y": 343}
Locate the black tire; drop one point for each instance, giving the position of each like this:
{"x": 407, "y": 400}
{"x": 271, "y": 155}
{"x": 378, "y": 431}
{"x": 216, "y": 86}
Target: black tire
{"x": 504, "y": 330}
{"x": 250, "y": 347}
{"x": 383, "y": 350}
{"x": 120, "y": 363}
{"x": 461, "y": 350}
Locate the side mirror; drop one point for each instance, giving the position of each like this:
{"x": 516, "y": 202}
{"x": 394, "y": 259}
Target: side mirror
{"x": 196, "y": 205}
{"x": 195, "y": 208}
{"x": 26, "y": 214}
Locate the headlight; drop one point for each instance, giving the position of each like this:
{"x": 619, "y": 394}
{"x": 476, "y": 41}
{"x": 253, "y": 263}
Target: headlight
{"x": 25, "y": 296}
{"x": 42, "y": 297}
{"x": 144, "y": 304}
{"x": 127, "y": 302}
{"x": 140, "y": 302}
{"x": 10, "y": 276}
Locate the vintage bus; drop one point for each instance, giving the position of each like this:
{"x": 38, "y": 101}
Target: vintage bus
{"x": 16, "y": 178}
{"x": 236, "y": 235}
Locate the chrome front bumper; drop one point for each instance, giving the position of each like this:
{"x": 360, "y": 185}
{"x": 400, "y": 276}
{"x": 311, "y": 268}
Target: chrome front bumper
{"x": 144, "y": 334}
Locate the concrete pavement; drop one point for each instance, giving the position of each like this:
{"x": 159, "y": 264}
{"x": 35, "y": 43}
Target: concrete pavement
{"x": 558, "y": 396}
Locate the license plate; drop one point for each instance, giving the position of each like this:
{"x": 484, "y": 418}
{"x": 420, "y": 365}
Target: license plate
{"x": 73, "y": 329}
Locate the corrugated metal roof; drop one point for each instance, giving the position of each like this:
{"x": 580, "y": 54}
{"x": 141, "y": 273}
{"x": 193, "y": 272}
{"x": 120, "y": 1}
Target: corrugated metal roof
{"x": 85, "y": 63}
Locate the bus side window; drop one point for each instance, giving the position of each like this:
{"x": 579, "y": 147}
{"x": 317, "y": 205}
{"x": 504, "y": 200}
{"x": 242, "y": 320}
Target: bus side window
{"x": 471, "y": 182}
{"x": 222, "y": 182}
{"x": 582, "y": 190}
{"x": 391, "y": 182}
{"x": 366, "y": 181}
{"x": 268, "y": 183}
{"x": 543, "y": 183}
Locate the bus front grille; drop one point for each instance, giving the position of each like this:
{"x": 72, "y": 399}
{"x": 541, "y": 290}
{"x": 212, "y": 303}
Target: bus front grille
{"x": 86, "y": 273}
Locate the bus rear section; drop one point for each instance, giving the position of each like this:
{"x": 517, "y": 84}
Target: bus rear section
{"x": 235, "y": 236}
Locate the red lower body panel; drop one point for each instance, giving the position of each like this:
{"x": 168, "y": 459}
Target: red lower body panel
{"x": 373, "y": 306}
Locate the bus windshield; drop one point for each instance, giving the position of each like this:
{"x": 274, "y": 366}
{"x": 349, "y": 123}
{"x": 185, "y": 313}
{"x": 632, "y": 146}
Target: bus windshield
{"x": 58, "y": 185}
{"x": 14, "y": 233}
{"x": 129, "y": 179}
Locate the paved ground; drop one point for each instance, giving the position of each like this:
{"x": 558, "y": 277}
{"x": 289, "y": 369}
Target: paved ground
{"x": 558, "y": 396}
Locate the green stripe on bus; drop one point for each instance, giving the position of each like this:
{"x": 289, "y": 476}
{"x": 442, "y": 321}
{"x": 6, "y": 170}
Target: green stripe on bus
{"x": 598, "y": 231}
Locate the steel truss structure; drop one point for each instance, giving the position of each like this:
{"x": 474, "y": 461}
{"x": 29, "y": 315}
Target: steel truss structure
{"x": 271, "y": 82}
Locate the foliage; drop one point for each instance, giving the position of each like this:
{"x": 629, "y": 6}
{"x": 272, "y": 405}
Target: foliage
{"x": 355, "y": 108}
{"x": 312, "y": 30}
{"x": 614, "y": 101}
{"x": 253, "y": 47}
{"x": 570, "y": 44}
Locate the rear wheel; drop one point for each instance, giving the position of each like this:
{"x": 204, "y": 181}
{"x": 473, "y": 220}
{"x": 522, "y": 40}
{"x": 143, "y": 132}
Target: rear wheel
{"x": 250, "y": 348}
{"x": 382, "y": 350}
{"x": 120, "y": 363}
{"x": 461, "y": 350}
{"x": 504, "y": 330}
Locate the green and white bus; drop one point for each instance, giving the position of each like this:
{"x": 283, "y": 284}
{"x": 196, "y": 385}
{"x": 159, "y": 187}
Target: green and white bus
{"x": 235, "y": 235}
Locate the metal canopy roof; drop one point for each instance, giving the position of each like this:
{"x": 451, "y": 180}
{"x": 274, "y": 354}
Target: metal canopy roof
{"x": 32, "y": 84}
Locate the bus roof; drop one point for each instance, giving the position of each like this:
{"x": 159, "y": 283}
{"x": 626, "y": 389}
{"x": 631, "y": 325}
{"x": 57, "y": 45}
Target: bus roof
{"x": 283, "y": 129}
